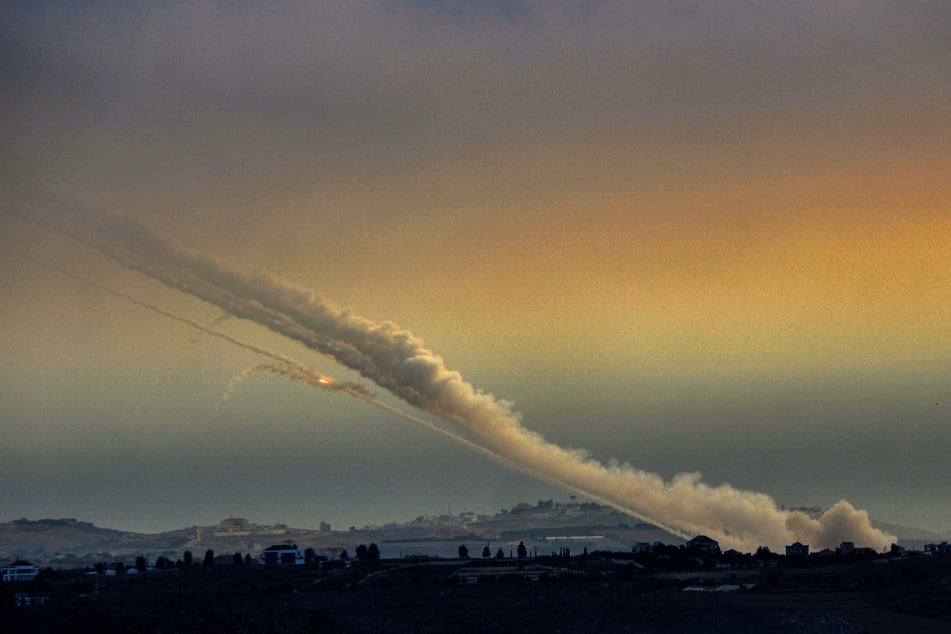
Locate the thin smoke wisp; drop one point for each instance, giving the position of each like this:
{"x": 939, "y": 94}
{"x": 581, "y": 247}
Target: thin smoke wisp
{"x": 297, "y": 372}
{"x": 399, "y": 362}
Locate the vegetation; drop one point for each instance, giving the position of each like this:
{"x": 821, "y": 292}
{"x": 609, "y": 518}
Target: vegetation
{"x": 599, "y": 591}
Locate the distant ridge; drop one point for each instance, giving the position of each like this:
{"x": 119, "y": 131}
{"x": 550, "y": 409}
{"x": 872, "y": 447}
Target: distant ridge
{"x": 69, "y": 540}
{"x": 69, "y": 536}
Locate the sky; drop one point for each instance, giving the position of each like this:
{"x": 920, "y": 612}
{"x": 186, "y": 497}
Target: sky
{"x": 689, "y": 236}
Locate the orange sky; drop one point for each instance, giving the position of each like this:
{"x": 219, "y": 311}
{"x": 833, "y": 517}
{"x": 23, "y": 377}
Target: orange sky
{"x": 649, "y": 228}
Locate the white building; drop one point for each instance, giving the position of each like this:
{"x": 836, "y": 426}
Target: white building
{"x": 20, "y": 571}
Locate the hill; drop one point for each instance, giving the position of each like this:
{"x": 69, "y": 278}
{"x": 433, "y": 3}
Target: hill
{"x": 544, "y": 528}
{"x": 68, "y": 538}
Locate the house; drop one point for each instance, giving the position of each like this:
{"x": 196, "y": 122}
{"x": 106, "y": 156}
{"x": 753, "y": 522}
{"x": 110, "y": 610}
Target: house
{"x": 850, "y": 550}
{"x": 703, "y": 546}
{"x": 234, "y": 524}
{"x": 240, "y": 527}
{"x": 285, "y": 554}
{"x": 797, "y": 550}
{"x": 20, "y": 571}
{"x": 733, "y": 558}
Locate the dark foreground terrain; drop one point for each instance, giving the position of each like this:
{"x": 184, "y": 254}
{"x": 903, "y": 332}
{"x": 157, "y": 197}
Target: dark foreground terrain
{"x": 912, "y": 595}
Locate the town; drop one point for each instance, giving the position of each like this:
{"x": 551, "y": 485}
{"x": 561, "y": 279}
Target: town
{"x": 559, "y": 561}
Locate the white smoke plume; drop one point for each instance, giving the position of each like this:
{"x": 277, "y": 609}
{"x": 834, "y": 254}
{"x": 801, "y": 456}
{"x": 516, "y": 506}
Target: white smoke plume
{"x": 295, "y": 371}
{"x": 291, "y": 369}
{"x": 314, "y": 379}
{"x": 285, "y": 365}
{"x": 317, "y": 380}
{"x": 399, "y": 362}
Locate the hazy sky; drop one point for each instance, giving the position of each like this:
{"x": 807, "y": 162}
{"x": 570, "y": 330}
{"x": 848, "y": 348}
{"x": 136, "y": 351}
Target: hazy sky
{"x": 692, "y": 236}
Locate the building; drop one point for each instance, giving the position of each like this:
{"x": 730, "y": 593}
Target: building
{"x": 239, "y": 527}
{"x": 20, "y": 571}
{"x": 703, "y": 546}
{"x": 285, "y": 554}
{"x": 849, "y": 549}
{"x": 797, "y": 550}
{"x": 234, "y": 524}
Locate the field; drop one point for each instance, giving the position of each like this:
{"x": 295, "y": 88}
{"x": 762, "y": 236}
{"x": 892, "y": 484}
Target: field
{"x": 397, "y": 596}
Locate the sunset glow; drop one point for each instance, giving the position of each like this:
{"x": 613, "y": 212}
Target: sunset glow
{"x": 708, "y": 238}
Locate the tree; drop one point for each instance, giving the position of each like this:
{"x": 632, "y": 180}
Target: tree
{"x": 120, "y": 568}
{"x": 247, "y": 559}
{"x": 373, "y": 552}
{"x": 362, "y": 553}
{"x": 500, "y": 554}
{"x": 187, "y": 557}
{"x": 522, "y": 551}
{"x": 486, "y": 553}
{"x": 344, "y": 555}
{"x": 237, "y": 559}
{"x": 162, "y": 563}
{"x": 463, "y": 552}
{"x": 140, "y": 563}
{"x": 209, "y": 559}
{"x": 310, "y": 556}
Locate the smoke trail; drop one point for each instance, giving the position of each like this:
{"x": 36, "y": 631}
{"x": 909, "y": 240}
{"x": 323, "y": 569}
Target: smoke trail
{"x": 285, "y": 366}
{"x": 356, "y": 390}
{"x": 277, "y": 356}
{"x": 399, "y": 362}
{"x": 314, "y": 379}
{"x": 299, "y": 372}
{"x": 291, "y": 369}
{"x": 296, "y": 371}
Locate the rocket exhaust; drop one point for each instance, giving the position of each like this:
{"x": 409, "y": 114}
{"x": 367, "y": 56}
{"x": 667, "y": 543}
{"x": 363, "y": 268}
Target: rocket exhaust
{"x": 398, "y": 361}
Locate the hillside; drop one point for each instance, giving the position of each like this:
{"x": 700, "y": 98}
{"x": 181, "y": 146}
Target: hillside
{"x": 47, "y": 538}
{"x": 544, "y": 527}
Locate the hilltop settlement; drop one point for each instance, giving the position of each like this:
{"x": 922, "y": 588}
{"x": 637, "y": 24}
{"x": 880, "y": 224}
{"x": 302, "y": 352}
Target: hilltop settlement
{"x": 543, "y": 567}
